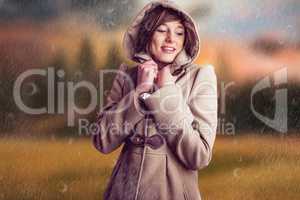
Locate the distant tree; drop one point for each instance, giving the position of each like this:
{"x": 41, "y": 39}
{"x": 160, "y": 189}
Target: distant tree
{"x": 113, "y": 61}
{"x": 224, "y": 79}
{"x": 61, "y": 70}
{"x": 8, "y": 108}
{"x": 86, "y": 57}
{"x": 267, "y": 45}
{"x": 85, "y": 70}
{"x": 294, "y": 106}
{"x": 114, "y": 58}
{"x": 59, "y": 60}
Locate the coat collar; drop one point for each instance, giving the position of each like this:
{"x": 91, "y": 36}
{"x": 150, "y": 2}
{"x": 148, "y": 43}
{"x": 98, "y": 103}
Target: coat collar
{"x": 177, "y": 67}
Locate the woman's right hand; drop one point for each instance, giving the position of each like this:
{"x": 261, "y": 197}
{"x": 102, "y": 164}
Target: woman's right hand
{"x": 147, "y": 72}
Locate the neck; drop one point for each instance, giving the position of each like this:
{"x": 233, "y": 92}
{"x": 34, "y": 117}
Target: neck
{"x": 161, "y": 64}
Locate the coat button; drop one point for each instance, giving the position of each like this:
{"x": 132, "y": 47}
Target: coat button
{"x": 195, "y": 125}
{"x": 138, "y": 140}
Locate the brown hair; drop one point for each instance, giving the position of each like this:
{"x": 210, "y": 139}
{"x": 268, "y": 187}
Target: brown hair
{"x": 153, "y": 19}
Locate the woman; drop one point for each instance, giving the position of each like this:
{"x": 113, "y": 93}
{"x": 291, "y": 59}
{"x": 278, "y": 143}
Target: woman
{"x": 164, "y": 110}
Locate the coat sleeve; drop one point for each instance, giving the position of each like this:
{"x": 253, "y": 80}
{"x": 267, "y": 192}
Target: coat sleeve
{"x": 189, "y": 128}
{"x": 118, "y": 117}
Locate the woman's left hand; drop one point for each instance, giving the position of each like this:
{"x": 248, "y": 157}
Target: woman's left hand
{"x": 164, "y": 77}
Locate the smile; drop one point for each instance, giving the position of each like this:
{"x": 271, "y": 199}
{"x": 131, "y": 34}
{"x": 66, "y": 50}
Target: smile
{"x": 167, "y": 49}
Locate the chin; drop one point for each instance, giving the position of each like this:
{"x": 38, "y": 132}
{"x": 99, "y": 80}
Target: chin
{"x": 166, "y": 59}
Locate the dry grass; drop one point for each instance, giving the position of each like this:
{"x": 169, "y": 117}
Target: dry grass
{"x": 248, "y": 167}
{"x": 253, "y": 167}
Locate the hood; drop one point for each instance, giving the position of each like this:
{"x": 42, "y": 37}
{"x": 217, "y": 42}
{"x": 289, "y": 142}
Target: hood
{"x": 183, "y": 58}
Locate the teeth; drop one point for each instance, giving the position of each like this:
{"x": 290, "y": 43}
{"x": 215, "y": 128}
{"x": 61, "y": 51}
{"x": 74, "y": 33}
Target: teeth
{"x": 169, "y": 48}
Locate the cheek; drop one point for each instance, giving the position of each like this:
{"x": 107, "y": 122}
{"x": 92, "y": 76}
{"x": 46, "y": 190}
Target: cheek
{"x": 180, "y": 43}
{"x": 155, "y": 44}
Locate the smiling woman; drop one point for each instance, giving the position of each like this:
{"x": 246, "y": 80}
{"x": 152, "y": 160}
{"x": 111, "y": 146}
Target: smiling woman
{"x": 167, "y": 41}
{"x": 164, "y": 110}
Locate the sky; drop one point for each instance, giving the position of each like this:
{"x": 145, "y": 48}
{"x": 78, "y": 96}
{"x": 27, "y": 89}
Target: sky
{"x": 238, "y": 19}
{"x": 245, "y": 19}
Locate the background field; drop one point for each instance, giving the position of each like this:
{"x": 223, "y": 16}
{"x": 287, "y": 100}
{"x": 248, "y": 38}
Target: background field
{"x": 243, "y": 167}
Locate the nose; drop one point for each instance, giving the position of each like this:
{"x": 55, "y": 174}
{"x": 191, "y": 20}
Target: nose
{"x": 170, "y": 37}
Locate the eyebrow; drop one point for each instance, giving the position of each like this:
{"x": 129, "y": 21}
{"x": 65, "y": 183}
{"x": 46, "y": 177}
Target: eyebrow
{"x": 178, "y": 26}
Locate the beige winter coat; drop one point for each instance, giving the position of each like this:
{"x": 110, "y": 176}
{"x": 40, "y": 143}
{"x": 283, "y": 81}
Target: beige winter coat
{"x": 162, "y": 152}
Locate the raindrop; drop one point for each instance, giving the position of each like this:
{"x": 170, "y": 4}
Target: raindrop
{"x": 130, "y": 7}
{"x": 11, "y": 116}
{"x": 53, "y": 137}
{"x": 114, "y": 161}
{"x": 124, "y": 2}
{"x": 235, "y": 142}
{"x": 60, "y": 73}
{"x": 236, "y": 172}
{"x": 106, "y": 93}
{"x": 31, "y": 89}
{"x": 110, "y": 11}
{"x": 234, "y": 120}
{"x": 289, "y": 26}
{"x": 256, "y": 176}
{"x": 78, "y": 75}
{"x": 63, "y": 187}
{"x": 241, "y": 159}
{"x": 257, "y": 16}
{"x": 109, "y": 23}
{"x": 94, "y": 129}
{"x": 10, "y": 120}
{"x": 53, "y": 47}
{"x": 281, "y": 42}
{"x": 70, "y": 141}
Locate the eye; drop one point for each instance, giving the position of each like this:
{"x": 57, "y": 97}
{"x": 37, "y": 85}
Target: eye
{"x": 161, "y": 30}
{"x": 180, "y": 33}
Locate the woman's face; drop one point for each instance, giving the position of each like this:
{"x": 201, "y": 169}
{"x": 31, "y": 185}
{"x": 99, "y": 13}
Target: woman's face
{"x": 167, "y": 41}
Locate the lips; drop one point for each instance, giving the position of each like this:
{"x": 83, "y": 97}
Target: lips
{"x": 167, "y": 49}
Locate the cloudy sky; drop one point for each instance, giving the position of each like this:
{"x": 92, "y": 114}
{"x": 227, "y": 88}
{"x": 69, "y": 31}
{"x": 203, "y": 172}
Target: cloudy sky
{"x": 243, "y": 19}
{"x": 238, "y": 19}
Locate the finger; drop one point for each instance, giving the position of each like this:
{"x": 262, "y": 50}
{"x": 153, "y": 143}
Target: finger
{"x": 149, "y": 64}
{"x": 152, "y": 67}
{"x": 149, "y": 74}
{"x": 142, "y": 68}
{"x": 149, "y": 70}
{"x": 146, "y": 64}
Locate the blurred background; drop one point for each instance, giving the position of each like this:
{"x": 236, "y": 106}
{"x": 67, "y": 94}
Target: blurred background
{"x": 246, "y": 41}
